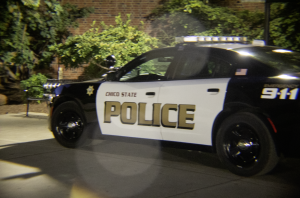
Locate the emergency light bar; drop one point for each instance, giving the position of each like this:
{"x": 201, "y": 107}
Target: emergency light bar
{"x": 51, "y": 85}
{"x": 197, "y": 39}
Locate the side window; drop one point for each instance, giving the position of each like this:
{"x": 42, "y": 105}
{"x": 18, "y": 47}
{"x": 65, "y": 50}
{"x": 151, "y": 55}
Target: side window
{"x": 191, "y": 65}
{"x": 151, "y": 70}
{"x": 199, "y": 66}
{"x": 219, "y": 68}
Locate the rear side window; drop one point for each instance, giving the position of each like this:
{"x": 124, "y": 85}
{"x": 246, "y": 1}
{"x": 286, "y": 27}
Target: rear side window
{"x": 218, "y": 68}
{"x": 190, "y": 65}
{"x": 197, "y": 65}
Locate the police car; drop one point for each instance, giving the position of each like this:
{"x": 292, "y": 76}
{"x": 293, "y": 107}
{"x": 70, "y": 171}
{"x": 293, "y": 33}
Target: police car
{"x": 241, "y": 100}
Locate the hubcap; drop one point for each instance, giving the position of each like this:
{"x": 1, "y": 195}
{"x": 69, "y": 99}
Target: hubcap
{"x": 72, "y": 124}
{"x": 241, "y": 145}
{"x": 69, "y": 126}
{"x": 244, "y": 144}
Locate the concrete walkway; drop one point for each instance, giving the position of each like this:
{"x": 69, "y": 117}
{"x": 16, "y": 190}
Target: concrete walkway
{"x": 34, "y": 165}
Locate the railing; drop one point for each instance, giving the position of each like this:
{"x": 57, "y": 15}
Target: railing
{"x": 44, "y": 98}
{"x": 47, "y": 87}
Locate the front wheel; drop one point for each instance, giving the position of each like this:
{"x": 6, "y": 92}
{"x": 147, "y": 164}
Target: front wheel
{"x": 68, "y": 125}
{"x": 245, "y": 145}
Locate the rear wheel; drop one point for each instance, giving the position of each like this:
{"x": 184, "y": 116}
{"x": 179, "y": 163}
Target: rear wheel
{"x": 68, "y": 125}
{"x": 244, "y": 144}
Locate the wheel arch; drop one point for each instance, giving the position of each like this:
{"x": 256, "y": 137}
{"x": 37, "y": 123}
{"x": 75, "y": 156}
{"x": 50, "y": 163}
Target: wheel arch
{"x": 236, "y": 108}
{"x": 69, "y": 130}
{"x": 60, "y": 100}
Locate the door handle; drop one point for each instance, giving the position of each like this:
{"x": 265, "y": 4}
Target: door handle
{"x": 150, "y": 93}
{"x": 213, "y": 90}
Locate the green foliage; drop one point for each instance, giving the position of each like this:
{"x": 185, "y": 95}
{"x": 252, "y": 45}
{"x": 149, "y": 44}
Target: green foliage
{"x": 122, "y": 40}
{"x": 28, "y": 27}
{"x": 193, "y": 17}
{"x": 285, "y": 25}
{"x": 31, "y": 3}
{"x": 92, "y": 72}
{"x": 35, "y": 80}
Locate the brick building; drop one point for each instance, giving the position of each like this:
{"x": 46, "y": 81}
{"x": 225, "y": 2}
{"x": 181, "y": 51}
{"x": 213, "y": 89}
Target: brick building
{"x": 252, "y": 5}
{"x": 106, "y": 10}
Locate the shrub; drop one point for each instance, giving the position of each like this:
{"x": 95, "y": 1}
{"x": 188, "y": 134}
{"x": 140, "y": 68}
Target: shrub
{"x": 122, "y": 40}
{"x": 35, "y": 80}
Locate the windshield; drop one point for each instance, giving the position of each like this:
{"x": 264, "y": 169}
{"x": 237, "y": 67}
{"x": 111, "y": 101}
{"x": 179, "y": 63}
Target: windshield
{"x": 281, "y": 59}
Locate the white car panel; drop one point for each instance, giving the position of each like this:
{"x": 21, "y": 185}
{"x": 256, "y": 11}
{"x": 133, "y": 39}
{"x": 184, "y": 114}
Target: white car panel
{"x": 118, "y": 92}
{"x": 207, "y": 106}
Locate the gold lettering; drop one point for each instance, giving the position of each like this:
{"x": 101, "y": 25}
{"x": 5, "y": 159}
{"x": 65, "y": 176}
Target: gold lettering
{"x": 160, "y": 116}
{"x": 183, "y": 116}
{"x": 133, "y": 112}
{"x": 156, "y": 114}
{"x": 165, "y": 115}
{"x": 112, "y": 94}
{"x": 108, "y": 110}
{"x": 142, "y": 118}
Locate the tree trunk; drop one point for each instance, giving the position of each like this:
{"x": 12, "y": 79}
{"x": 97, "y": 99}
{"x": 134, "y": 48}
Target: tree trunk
{"x": 10, "y": 73}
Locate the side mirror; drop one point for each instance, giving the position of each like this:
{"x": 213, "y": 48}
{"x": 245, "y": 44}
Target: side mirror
{"x": 111, "y": 76}
{"x": 110, "y": 61}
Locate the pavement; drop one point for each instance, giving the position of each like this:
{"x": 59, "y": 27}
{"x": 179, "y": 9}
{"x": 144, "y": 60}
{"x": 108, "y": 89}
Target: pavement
{"x": 33, "y": 164}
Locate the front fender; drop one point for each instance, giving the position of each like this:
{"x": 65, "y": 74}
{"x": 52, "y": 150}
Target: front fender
{"x": 83, "y": 94}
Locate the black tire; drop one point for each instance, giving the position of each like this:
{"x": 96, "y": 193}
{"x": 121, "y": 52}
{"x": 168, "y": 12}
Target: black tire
{"x": 68, "y": 125}
{"x": 245, "y": 145}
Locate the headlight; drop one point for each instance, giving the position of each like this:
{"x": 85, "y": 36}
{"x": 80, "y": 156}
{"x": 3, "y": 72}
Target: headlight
{"x": 50, "y": 97}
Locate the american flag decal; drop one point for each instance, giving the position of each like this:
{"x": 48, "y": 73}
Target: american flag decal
{"x": 241, "y": 72}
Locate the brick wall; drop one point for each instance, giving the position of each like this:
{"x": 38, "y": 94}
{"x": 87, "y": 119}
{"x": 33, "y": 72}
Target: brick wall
{"x": 106, "y": 10}
{"x": 72, "y": 73}
{"x": 252, "y": 5}
{"x": 68, "y": 73}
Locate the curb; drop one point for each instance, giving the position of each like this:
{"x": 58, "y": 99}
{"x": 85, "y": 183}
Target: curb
{"x": 30, "y": 115}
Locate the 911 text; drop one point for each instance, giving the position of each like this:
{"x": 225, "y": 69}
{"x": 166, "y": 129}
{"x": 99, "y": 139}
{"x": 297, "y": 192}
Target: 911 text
{"x": 286, "y": 93}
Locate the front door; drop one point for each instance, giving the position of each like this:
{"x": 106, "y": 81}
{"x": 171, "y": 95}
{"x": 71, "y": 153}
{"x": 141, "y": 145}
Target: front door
{"x": 129, "y": 106}
{"x": 125, "y": 108}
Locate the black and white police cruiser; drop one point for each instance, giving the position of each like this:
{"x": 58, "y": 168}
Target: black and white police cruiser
{"x": 241, "y": 100}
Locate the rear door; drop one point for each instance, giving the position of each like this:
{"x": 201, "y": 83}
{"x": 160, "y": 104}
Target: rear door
{"x": 191, "y": 102}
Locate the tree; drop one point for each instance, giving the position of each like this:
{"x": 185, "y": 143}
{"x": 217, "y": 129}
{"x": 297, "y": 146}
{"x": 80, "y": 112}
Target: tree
{"x": 285, "y": 25}
{"x": 28, "y": 27}
{"x": 122, "y": 40}
{"x": 194, "y": 17}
